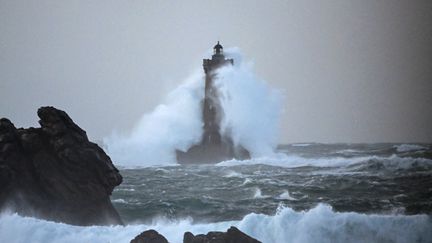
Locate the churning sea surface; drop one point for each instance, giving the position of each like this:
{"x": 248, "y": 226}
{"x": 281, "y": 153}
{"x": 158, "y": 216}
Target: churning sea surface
{"x": 305, "y": 193}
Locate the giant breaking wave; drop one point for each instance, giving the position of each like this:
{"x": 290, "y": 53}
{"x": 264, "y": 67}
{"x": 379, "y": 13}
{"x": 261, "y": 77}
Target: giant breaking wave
{"x": 252, "y": 111}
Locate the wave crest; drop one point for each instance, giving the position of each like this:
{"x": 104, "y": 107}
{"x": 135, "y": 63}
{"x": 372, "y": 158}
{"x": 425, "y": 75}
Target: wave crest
{"x": 320, "y": 224}
{"x": 290, "y": 161}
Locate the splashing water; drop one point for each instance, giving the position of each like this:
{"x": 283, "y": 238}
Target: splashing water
{"x": 251, "y": 115}
{"x": 320, "y": 224}
{"x": 252, "y": 109}
{"x": 176, "y": 124}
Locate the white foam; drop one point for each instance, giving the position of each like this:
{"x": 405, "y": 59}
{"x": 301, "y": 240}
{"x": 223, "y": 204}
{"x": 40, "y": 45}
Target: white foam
{"x": 294, "y": 161}
{"x": 301, "y": 144}
{"x": 251, "y": 115}
{"x": 252, "y": 109}
{"x": 175, "y": 124}
{"x": 349, "y": 151}
{"x": 124, "y": 189}
{"x": 258, "y": 194}
{"x": 409, "y": 148}
{"x": 231, "y": 173}
{"x": 291, "y": 161}
{"x": 119, "y": 200}
{"x": 286, "y": 196}
{"x": 247, "y": 181}
{"x": 319, "y": 224}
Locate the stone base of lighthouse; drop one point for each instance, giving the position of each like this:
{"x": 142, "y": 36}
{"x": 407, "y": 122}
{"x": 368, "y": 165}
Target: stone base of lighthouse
{"x": 212, "y": 153}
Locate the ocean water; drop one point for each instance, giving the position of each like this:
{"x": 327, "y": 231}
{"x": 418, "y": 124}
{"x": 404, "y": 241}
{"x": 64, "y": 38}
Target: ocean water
{"x": 305, "y": 193}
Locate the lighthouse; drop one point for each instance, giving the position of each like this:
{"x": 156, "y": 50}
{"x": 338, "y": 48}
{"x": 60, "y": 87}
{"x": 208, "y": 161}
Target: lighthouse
{"x": 214, "y": 146}
{"x": 212, "y": 110}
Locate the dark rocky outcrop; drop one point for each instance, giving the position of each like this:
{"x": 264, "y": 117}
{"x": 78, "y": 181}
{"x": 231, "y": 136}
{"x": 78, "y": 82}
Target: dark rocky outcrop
{"x": 149, "y": 236}
{"x": 212, "y": 153}
{"x": 54, "y": 172}
{"x": 233, "y": 235}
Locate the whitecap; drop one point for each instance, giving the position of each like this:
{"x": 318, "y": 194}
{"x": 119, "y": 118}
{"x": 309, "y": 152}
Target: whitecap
{"x": 125, "y": 189}
{"x": 231, "y": 173}
{"x": 258, "y": 194}
{"x": 119, "y": 200}
{"x": 285, "y": 195}
{"x": 402, "y": 148}
{"x": 320, "y": 224}
{"x": 247, "y": 181}
{"x": 301, "y": 144}
{"x": 292, "y": 161}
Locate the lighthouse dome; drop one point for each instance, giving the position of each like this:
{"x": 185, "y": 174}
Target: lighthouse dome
{"x": 218, "y": 49}
{"x": 218, "y": 46}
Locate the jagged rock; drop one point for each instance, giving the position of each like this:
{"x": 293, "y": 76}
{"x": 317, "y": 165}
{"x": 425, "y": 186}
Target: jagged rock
{"x": 149, "y": 236}
{"x": 233, "y": 235}
{"x": 55, "y": 172}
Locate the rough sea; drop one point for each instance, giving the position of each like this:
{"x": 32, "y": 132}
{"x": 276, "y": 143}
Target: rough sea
{"x": 305, "y": 193}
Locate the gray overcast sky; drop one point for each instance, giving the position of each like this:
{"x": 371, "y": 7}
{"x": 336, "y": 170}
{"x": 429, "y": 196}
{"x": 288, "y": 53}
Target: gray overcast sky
{"x": 351, "y": 71}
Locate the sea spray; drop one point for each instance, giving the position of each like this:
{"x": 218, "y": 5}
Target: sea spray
{"x": 251, "y": 114}
{"x": 320, "y": 224}
{"x": 175, "y": 124}
{"x": 252, "y": 109}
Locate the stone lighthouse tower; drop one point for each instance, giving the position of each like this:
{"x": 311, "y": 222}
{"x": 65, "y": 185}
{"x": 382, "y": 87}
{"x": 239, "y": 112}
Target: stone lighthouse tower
{"x": 214, "y": 146}
{"x": 212, "y": 110}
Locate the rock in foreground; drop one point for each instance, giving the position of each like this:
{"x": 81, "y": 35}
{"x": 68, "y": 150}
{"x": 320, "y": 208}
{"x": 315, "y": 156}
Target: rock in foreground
{"x": 149, "y": 236}
{"x": 233, "y": 235}
{"x": 54, "y": 172}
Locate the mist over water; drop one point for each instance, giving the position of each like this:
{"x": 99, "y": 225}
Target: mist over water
{"x": 175, "y": 124}
{"x": 251, "y": 117}
{"x": 251, "y": 107}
